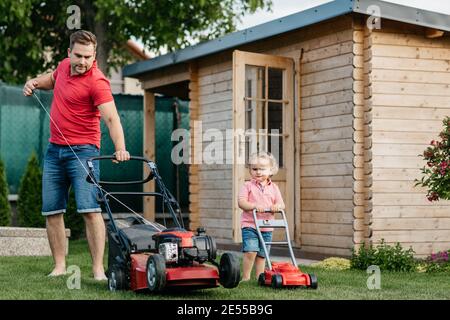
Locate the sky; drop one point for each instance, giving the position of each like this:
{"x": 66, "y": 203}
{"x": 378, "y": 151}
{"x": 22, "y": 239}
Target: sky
{"x": 282, "y": 8}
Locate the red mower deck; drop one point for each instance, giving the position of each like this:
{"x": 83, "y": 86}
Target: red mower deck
{"x": 281, "y": 274}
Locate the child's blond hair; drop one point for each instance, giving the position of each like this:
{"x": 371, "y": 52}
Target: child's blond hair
{"x": 264, "y": 155}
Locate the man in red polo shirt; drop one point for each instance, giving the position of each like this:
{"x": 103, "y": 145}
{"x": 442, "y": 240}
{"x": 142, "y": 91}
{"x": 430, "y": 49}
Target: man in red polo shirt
{"x": 81, "y": 96}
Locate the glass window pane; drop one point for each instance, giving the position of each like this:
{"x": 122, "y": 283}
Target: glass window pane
{"x": 254, "y": 82}
{"x": 275, "y": 118}
{"x": 250, "y": 114}
{"x": 254, "y": 114}
{"x": 251, "y": 143}
{"x": 275, "y": 84}
{"x": 276, "y": 148}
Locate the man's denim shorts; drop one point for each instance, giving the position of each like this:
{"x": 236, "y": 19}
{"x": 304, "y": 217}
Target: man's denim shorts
{"x": 62, "y": 170}
{"x": 251, "y": 243}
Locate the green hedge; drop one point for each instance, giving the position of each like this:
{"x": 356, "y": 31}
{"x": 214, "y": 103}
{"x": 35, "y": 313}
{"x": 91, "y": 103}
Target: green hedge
{"x": 29, "y": 203}
{"x": 5, "y": 208}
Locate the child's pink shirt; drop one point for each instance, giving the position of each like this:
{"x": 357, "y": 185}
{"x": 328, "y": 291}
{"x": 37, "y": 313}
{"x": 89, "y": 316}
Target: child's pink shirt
{"x": 265, "y": 197}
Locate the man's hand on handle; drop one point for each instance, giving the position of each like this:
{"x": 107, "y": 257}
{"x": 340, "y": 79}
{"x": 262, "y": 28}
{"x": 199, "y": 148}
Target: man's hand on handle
{"x": 121, "y": 155}
{"x": 29, "y": 87}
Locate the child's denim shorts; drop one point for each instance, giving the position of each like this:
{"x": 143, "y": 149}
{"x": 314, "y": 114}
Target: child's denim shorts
{"x": 62, "y": 170}
{"x": 251, "y": 243}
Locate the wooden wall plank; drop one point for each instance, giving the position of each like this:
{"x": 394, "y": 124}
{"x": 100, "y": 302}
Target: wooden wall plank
{"x": 412, "y": 235}
{"x": 428, "y": 211}
{"x": 411, "y": 224}
{"x": 335, "y": 229}
{"x": 149, "y": 151}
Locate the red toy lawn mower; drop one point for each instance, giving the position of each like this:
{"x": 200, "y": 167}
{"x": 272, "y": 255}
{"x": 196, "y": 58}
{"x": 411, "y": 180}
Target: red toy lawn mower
{"x": 281, "y": 274}
{"x": 145, "y": 255}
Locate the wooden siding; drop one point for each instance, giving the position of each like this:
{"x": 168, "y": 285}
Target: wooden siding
{"x": 326, "y": 134}
{"x": 215, "y": 177}
{"x": 362, "y": 135}
{"x": 325, "y": 129}
{"x": 410, "y": 97}
{"x": 194, "y": 217}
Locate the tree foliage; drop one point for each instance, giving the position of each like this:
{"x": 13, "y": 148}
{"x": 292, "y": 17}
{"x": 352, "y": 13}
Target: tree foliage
{"x": 35, "y": 33}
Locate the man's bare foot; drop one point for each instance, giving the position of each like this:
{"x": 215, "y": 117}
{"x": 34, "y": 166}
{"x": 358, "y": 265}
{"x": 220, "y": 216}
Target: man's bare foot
{"x": 99, "y": 274}
{"x": 100, "y": 277}
{"x": 57, "y": 272}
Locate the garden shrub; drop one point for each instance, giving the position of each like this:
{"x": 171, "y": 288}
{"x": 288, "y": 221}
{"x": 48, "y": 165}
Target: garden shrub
{"x": 5, "y": 208}
{"x": 386, "y": 257}
{"x": 438, "y": 262}
{"x": 29, "y": 203}
{"x": 436, "y": 172}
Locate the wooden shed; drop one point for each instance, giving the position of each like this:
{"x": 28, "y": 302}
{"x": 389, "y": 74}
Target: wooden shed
{"x": 356, "y": 89}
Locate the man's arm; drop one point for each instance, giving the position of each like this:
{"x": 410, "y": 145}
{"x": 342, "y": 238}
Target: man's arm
{"x": 109, "y": 114}
{"x": 44, "y": 82}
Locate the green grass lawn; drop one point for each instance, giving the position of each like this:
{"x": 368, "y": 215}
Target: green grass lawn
{"x": 25, "y": 278}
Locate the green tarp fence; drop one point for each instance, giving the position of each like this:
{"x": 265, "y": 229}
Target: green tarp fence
{"x": 24, "y": 128}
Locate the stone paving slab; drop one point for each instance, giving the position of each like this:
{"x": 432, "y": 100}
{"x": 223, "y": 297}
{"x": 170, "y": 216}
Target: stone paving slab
{"x": 15, "y": 241}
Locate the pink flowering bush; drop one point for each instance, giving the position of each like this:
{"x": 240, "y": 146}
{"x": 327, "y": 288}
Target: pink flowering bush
{"x": 436, "y": 173}
{"x": 438, "y": 262}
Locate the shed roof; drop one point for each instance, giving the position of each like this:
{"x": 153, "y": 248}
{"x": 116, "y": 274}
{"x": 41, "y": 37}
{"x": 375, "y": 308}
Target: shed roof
{"x": 292, "y": 22}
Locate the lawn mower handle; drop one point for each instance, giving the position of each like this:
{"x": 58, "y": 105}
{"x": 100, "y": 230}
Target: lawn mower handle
{"x": 268, "y": 210}
{"x": 112, "y": 157}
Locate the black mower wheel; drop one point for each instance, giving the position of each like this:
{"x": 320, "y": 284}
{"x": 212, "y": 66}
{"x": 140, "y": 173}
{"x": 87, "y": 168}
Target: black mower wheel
{"x": 117, "y": 279}
{"x": 229, "y": 271}
{"x": 313, "y": 280}
{"x": 277, "y": 281}
{"x": 262, "y": 279}
{"x": 156, "y": 273}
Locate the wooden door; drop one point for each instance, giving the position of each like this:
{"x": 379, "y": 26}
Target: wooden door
{"x": 263, "y": 110}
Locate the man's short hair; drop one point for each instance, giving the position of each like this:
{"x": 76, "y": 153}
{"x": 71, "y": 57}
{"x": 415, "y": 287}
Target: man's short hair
{"x": 83, "y": 37}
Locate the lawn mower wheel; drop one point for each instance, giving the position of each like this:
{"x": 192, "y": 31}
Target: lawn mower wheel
{"x": 277, "y": 281}
{"x": 156, "y": 273}
{"x": 117, "y": 279}
{"x": 313, "y": 279}
{"x": 262, "y": 279}
{"x": 229, "y": 271}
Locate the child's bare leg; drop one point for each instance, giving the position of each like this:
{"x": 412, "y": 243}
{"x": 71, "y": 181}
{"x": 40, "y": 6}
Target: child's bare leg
{"x": 248, "y": 260}
{"x": 260, "y": 263}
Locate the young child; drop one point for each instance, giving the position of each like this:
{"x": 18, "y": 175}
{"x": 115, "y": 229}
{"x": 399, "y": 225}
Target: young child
{"x": 259, "y": 193}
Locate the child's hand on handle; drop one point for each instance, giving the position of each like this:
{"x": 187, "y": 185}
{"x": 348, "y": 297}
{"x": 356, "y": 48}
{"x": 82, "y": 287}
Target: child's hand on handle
{"x": 275, "y": 208}
{"x": 260, "y": 209}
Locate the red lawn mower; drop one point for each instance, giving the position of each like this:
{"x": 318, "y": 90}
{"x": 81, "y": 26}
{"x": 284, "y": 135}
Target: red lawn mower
{"x": 281, "y": 274}
{"x": 145, "y": 255}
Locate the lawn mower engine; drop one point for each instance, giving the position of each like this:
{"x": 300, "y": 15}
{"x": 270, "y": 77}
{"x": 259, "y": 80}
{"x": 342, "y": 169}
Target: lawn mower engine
{"x": 183, "y": 248}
